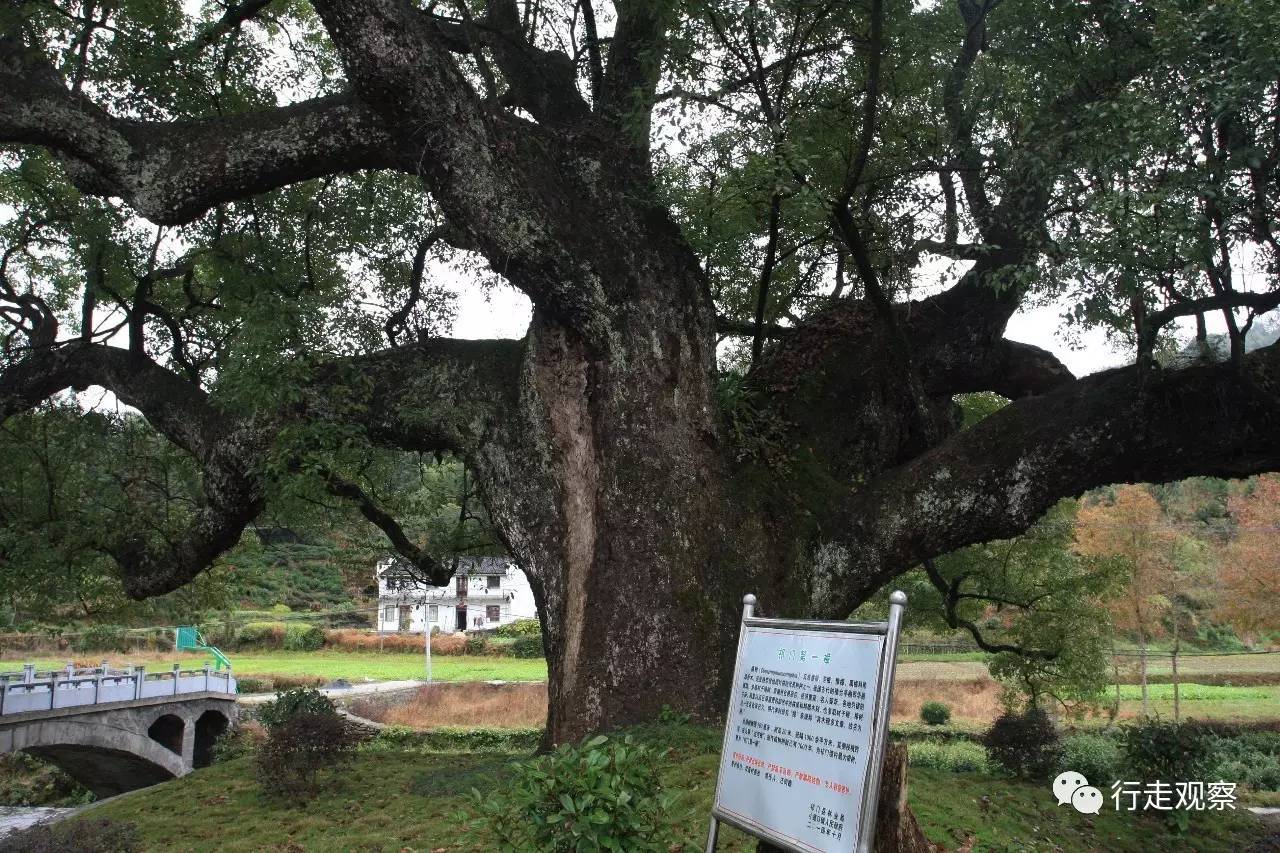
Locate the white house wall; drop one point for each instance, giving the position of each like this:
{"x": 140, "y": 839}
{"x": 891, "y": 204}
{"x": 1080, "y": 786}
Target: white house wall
{"x": 514, "y": 598}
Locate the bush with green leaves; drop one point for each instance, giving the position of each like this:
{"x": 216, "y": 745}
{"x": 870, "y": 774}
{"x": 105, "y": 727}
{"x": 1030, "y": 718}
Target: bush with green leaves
{"x": 528, "y": 647}
{"x": 265, "y": 635}
{"x": 955, "y": 756}
{"x": 477, "y": 644}
{"x": 292, "y": 703}
{"x": 393, "y": 738}
{"x": 1025, "y": 743}
{"x": 1097, "y": 756}
{"x": 489, "y": 740}
{"x": 249, "y": 684}
{"x": 102, "y": 638}
{"x": 1249, "y": 758}
{"x": 603, "y": 794}
{"x": 1159, "y": 750}
{"x": 239, "y": 742}
{"x": 303, "y": 638}
{"x": 29, "y": 781}
{"x": 295, "y": 752}
{"x": 935, "y": 713}
{"x": 520, "y": 628}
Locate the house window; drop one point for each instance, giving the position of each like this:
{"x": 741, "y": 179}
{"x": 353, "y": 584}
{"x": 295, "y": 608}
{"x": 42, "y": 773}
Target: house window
{"x": 433, "y": 612}
{"x": 495, "y": 581}
{"x": 462, "y": 586}
{"x": 389, "y": 614}
{"x": 493, "y": 613}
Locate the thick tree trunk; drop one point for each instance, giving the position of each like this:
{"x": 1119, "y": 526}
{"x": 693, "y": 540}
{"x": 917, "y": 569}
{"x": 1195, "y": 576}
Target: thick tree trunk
{"x": 636, "y": 588}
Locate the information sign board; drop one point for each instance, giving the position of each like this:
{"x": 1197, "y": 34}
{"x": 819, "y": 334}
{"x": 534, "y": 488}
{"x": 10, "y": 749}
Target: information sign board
{"x": 805, "y": 734}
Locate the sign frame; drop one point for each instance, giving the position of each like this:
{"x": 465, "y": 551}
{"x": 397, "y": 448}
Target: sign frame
{"x": 879, "y": 721}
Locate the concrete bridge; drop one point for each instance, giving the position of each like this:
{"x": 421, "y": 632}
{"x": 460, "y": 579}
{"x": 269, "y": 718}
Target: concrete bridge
{"x": 116, "y": 730}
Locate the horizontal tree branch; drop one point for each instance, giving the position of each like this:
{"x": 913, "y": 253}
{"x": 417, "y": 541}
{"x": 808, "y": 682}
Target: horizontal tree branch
{"x": 993, "y": 480}
{"x": 437, "y": 395}
{"x": 1258, "y": 302}
{"x": 171, "y": 172}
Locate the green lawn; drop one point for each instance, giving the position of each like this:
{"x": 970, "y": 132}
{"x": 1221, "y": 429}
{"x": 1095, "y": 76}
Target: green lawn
{"x": 353, "y": 666}
{"x": 1205, "y": 702}
{"x": 411, "y": 800}
{"x": 390, "y": 666}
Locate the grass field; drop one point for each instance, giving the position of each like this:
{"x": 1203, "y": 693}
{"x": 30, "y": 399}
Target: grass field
{"x": 353, "y": 666}
{"x": 390, "y": 801}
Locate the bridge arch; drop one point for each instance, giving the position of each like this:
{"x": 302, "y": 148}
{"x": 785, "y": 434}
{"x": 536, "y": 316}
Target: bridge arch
{"x": 107, "y": 761}
{"x": 167, "y": 730}
{"x": 209, "y": 727}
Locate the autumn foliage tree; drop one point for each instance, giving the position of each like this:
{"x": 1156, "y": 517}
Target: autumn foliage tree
{"x": 1249, "y": 574}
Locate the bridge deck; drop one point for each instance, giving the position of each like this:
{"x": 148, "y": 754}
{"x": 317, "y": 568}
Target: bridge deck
{"x": 28, "y": 691}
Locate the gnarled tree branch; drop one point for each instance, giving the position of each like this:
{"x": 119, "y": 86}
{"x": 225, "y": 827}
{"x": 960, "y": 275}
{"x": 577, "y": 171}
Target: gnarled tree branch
{"x": 993, "y": 480}
{"x": 171, "y": 172}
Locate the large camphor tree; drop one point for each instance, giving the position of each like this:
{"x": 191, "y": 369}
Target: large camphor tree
{"x": 767, "y": 244}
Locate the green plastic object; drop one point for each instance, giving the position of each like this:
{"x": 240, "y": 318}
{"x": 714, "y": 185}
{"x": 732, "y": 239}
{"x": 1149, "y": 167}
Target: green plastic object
{"x": 189, "y": 640}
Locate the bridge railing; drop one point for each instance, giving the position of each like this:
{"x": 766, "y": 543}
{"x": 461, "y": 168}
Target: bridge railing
{"x": 28, "y": 690}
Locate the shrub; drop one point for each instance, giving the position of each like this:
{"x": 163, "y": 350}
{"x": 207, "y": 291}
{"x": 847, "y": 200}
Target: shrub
{"x": 295, "y": 702}
{"x": 477, "y": 645}
{"x": 520, "y": 628}
{"x": 281, "y": 608}
{"x": 935, "y": 713}
{"x": 669, "y": 716}
{"x": 80, "y": 836}
{"x": 1157, "y": 750}
{"x": 289, "y": 761}
{"x": 1097, "y": 757}
{"x": 265, "y": 635}
{"x": 253, "y": 685}
{"x": 1251, "y": 758}
{"x": 602, "y": 795}
{"x": 243, "y": 740}
{"x": 956, "y": 756}
{"x": 1025, "y": 744}
{"x": 303, "y": 638}
{"x": 27, "y": 781}
{"x": 528, "y": 647}
{"x": 104, "y": 638}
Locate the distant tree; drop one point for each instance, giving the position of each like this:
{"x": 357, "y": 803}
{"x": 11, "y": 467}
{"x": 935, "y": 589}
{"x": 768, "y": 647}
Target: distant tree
{"x": 1131, "y": 527}
{"x": 64, "y": 477}
{"x": 1032, "y": 602}
{"x": 1250, "y": 573}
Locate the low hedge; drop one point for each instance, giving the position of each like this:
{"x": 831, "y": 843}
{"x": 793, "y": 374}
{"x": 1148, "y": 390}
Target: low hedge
{"x": 452, "y": 739}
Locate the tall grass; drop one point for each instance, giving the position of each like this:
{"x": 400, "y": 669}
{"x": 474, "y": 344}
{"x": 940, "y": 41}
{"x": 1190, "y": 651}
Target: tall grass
{"x": 970, "y": 698}
{"x": 351, "y": 639}
{"x": 465, "y": 704}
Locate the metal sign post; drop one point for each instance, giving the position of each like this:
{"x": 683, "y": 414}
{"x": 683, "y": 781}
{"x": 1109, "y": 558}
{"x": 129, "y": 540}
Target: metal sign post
{"x": 806, "y": 732}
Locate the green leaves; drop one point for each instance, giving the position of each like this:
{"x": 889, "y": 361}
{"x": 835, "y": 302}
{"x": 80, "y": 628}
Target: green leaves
{"x": 602, "y": 795}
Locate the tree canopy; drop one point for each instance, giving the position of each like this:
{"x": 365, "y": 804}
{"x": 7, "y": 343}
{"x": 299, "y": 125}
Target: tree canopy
{"x": 767, "y": 243}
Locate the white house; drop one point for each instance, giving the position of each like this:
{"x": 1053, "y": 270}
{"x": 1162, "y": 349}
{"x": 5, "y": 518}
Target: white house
{"x": 486, "y": 592}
